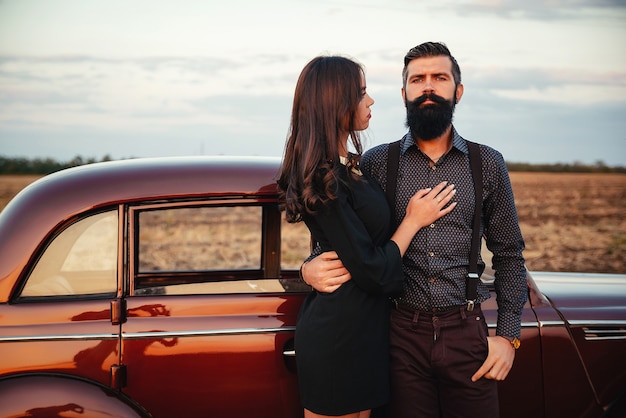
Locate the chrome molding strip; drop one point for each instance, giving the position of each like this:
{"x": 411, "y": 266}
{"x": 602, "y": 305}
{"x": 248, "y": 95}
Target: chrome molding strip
{"x": 604, "y": 334}
{"x": 59, "y": 337}
{"x": 150, "y": 334}
{"x": 545, "y": 324}
{"x": 524, "y": 325}
{"x": 204, "y": 333}
{"x": 599, "y": 322}
{"x": 604, "y": 338}
{"x": 591, "y": 333}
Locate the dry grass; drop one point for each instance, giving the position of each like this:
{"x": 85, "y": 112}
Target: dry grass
{"x": 571, "y": 222}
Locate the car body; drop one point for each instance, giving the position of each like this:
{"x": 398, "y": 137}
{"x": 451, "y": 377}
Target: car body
{"x": 169, "y": 287}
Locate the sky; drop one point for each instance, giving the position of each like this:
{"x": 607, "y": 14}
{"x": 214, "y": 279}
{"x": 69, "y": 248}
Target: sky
{"x": 545, "y": 80}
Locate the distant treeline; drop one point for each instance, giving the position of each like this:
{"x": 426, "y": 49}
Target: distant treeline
{"x": 42, "y": 166}
{"x": 48, "y": 165}
{"x": 598, "y": 167}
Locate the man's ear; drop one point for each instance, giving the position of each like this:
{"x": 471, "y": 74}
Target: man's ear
{"x": 403, "y": 96}
{"x": 459, "y": 92}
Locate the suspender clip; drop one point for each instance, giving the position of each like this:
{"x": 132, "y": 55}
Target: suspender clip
{"x": 470, "y": 305}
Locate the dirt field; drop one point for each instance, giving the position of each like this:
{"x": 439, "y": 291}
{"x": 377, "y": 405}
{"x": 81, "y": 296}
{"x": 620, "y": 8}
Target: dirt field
{"x": 11, "y": 185}
{"x": 571, "y": 222}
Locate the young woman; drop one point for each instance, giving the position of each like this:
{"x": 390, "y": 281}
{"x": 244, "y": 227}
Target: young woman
{"x": 342, "y": 337}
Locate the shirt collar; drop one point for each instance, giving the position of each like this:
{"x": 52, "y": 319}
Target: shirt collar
{"x": 457, "y": 142}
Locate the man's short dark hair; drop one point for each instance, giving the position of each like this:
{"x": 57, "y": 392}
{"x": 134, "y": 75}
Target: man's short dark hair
{"x": 431, "y": 49}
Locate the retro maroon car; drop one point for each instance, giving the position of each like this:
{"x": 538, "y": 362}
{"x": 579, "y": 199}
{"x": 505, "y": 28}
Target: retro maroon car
{"x": 169, "y": 288}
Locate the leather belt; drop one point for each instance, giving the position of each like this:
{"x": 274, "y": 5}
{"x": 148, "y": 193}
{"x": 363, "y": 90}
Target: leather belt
{"x": 439, "y": 309}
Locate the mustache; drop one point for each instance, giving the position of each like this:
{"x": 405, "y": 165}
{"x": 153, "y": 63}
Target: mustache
{"x": 428, "y": 96}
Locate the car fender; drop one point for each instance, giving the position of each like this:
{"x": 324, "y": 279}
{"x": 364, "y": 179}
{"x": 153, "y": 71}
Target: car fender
{"x": 39, "y": 395}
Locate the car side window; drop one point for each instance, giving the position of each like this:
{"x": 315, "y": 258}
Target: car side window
{"x": 216, "y": 249}
{"x": 200, "y": 238}
{"x": 295, "y": 244}
{"x": 81, "y": 260}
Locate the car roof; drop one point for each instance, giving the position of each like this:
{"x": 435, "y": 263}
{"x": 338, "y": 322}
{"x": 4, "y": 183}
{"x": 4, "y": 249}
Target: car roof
{"x": 38, "y": 208}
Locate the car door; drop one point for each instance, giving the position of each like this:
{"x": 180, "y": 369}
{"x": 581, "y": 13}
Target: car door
{"x": 211, "y": 311}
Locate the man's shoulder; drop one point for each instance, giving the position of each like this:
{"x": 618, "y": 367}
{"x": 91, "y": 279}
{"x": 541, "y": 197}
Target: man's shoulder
{"x": 488, "y": 154}
{"x": 485, "y": 148}
{"x": 375, "y": 157}
{"x": 374, "y": 161}
{"x": 380, "y": 152}
{"x": 492, "y": 162}
{"x": 491, "y": 156}
{"x": 376, "y": 151}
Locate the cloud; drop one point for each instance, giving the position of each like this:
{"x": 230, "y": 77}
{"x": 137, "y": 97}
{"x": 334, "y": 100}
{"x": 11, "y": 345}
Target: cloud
{"x": 557, "y": 85}
{"x": 163, "y": 78}
{"x": 74, "y": 91}
{"x": 540, "y": 9}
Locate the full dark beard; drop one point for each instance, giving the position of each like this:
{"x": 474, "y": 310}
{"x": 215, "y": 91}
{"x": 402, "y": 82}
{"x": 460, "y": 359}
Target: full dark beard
{"x": 431, "y": 121}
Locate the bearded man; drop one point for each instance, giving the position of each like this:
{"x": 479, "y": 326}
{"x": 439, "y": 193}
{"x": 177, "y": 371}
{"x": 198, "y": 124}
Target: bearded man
{"x": 444, "y": 363}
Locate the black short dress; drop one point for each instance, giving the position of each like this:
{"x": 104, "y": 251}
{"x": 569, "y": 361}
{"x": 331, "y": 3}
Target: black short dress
{"x": 341, "y": 338}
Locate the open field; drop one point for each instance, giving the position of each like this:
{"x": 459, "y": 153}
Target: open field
{"x": 10, "y": 185}
{"x": 570, "y": 221}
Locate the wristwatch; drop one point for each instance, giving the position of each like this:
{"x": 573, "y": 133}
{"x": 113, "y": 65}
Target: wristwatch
{"x": 515, "y": 342}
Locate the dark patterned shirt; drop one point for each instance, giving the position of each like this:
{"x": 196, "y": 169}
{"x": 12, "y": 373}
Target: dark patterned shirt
{"x": 436, "y": 262}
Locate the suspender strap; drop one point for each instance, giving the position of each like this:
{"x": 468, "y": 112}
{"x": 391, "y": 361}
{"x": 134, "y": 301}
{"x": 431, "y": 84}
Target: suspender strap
{"x": 393, "y": 163}
{"x": 473, "y": 276}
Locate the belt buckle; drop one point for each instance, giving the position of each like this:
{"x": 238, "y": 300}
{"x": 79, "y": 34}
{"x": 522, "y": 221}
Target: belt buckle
{"x": 470, "y": 305}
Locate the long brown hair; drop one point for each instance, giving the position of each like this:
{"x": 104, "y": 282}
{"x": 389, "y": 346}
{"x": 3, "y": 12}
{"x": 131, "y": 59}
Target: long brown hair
{"x": 325, "y": 103}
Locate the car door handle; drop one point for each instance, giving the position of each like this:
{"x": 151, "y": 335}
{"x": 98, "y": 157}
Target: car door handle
{"x": 289, "y": 353}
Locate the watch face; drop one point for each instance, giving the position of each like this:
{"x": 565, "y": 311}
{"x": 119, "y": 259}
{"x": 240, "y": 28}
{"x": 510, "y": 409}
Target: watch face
{"x": 516, "y": 343}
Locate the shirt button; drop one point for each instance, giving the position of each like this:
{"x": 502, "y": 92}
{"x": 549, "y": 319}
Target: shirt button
{"x": 434, "y": 167}
{"x": 432, "y": 254}
{"x": 432, "y": 280}
{"x": 432, "y": 225}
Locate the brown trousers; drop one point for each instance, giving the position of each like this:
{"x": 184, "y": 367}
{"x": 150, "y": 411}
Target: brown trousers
{"x": 433, "y": 357}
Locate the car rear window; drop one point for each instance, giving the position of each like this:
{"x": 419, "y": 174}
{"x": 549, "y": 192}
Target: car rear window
{"x": 80, "y": 260}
